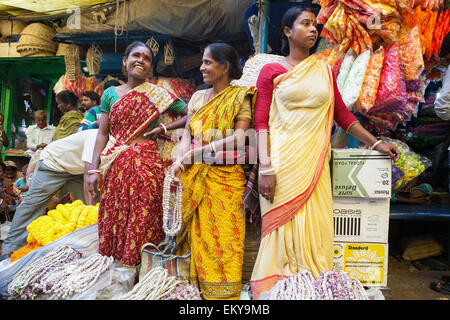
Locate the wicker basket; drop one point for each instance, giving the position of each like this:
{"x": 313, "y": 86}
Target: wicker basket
{"x": 253, "y": 66}
{"x": 93, "y": 59}
{"x": 11, "y": 27}
{"x": 65, "y": 48}
{"x": 36, "y": 40}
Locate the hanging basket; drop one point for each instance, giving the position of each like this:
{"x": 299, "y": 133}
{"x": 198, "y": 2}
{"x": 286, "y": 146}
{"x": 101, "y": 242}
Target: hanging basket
{"x": 37, "y": 37}
{"x": 153, "y": 45}
{"x": 93, "y": 59}
{"x": 11, "y": 27}
{"x": 72, "y": 62}
{"x": 65, "y": 48}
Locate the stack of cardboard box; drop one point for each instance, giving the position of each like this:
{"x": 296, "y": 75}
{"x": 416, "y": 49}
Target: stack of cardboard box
{"x": 361, "y": 182}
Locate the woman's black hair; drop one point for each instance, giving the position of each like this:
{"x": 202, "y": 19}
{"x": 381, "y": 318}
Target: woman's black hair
{"x": 110, "y": 83}
{"x": 222, "y": 53}
{"x": 67, "y": 97}
{"x": 288, "y": 20}
{"x": 136, "y": 44}
{"x": 3, "y": 165}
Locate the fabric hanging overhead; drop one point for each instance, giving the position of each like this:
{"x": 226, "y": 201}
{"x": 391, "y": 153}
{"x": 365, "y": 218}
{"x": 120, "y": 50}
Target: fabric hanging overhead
{"x": 188, "y": 19}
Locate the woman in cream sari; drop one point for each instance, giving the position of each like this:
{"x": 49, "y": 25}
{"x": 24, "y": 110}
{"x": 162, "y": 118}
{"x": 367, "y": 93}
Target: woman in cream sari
{"x": 295, "y": 108}
{"x": 213, "y": 188}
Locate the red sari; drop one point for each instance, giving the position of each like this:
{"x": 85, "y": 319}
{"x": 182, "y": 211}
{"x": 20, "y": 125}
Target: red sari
{"x": 130, "y": 212}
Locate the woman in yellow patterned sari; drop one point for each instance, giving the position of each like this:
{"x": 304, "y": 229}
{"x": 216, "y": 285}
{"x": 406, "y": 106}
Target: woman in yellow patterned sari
{"x": 213, "y": 188}
{"x": 296, "y": 105}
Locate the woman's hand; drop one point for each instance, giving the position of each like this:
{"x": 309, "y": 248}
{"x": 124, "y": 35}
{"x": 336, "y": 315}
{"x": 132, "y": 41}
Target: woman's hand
{"x": 154, "y": 134}
{"x": 175, "y": 171}
{"x": 390, "y": 149}
{"x": 92, "y": 186}
{"x": 266, "y": 185}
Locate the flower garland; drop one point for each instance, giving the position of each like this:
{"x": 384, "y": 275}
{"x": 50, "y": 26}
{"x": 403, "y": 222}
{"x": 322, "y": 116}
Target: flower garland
{"x": 75, "y": 277}
{"x": 184, "y": 291}
{"x": 177, "y": 217}
{"x": 156, "y": 284}
{"x": 328, "y": 286}
{"x": 25, "y": 284}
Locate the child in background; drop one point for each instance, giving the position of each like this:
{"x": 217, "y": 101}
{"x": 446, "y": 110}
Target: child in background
{"x": 21, "y": 183}
{"x": 10, "y": 171}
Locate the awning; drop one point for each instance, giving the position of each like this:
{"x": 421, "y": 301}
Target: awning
{"x": 42, "y": 7}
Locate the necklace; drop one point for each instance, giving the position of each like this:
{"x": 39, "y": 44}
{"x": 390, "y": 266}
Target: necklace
{"x": 177, "y": 218}
{"x": 291, "y": 64}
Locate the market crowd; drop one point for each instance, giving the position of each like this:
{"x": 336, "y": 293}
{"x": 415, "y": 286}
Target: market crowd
{"x": 108, "y": 149}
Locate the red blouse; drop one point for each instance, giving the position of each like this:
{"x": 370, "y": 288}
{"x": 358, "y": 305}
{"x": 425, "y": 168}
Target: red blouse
{"x": 342, "y": 116}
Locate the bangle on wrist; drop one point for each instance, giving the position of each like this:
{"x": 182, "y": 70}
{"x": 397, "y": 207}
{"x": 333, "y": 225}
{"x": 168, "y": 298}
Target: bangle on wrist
{"x": 269, "y": 171}
{"x": 375, "y": 144}
{"x": 179, "y": 165}
{"x": 94, "y": 172}
{"x": 213, "y": 148}
{"x": 163, "y": 127}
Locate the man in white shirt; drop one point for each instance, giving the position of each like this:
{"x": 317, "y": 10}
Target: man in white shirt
{"x": 39, "y": 135}
{"x": 62, "y": 163}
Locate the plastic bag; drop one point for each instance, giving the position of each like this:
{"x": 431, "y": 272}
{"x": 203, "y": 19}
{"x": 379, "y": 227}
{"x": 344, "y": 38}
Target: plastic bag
{"x": 409, "y": 166}
{"x": 392, "y": 87}
{"x": 411, "y": 56}
{"x": 369, "y": 89}
{"x": 339, "y": 138}
{"x": 355, "y": 79}
{"x": 349, "y": 58}
{"x": 114, "y": 282}
{"x": 374, "y": 294}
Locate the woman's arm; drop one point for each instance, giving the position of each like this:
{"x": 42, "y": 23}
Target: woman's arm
{"x": 93, "y": 180}
{"x": 358, "y": 131}
{"x": 179, "y": 123}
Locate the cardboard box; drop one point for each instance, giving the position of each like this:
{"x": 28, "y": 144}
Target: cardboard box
{"x": 8, "y": 50}
{"x": 367, "y": 262}
{"x": 361, "y": 219}
{"x": 361, "y": 173}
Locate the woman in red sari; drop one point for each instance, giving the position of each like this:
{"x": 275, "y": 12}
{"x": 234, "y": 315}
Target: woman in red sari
{"x": 126, "y": 153}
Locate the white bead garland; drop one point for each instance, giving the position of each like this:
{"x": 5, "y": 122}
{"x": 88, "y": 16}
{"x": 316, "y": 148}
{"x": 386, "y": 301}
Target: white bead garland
{"x": 177, "y": 217}
{"x": 25, "y": 284}
{"x": 75, "y": 277}
{"x": 156, "y": 284}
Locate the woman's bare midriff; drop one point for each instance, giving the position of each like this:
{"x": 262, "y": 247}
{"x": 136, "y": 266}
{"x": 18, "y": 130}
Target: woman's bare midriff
{"x": 140, "y": 138}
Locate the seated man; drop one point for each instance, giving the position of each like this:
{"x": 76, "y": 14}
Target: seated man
{"x": 62, "y": 163}
{"x": 39, "y": 135}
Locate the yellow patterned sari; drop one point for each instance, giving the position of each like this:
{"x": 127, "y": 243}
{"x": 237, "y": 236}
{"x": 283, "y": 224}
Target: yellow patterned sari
{"x": 214, "y": 224}
{"x": 297, "y": 228}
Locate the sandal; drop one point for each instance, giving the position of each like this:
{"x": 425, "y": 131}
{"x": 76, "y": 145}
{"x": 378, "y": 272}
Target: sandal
{"x": 441, "y": 288}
